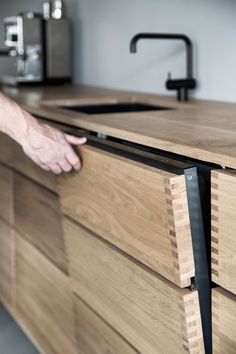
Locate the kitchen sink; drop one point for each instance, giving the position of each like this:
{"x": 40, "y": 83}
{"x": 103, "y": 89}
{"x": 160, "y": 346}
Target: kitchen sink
{"x": 114, "y": 108}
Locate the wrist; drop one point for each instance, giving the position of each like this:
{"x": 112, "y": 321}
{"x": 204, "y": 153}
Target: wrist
{"x": 16, "y": 122}
{"x": 27, "y": 126}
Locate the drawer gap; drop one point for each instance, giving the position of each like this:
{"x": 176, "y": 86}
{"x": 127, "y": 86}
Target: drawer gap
{"x": 200, "y": 232}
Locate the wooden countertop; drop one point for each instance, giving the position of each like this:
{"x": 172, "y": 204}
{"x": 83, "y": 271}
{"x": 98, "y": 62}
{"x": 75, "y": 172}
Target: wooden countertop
{"x": 204, "y": 130}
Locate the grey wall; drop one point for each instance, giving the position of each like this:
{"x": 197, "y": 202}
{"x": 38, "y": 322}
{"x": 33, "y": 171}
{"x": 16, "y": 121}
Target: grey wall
{"x": 103, "y": 29}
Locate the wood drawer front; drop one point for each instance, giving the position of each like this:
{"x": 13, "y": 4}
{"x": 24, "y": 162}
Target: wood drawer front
{"x": 26, "y": 166}
{"x": 151, "y": 313}
{"x": 44, "y": 301}
{"x": 224, "y": 229}
{"x": 5, "y": 263}
{"x": 6, "y": 149}
{"x": 138, "y": 208}
{"x": 6, "y": 194}
{"x": 94, "y": 335}
{"x": 224, "y": 321}
{"x": 38, "y": 219}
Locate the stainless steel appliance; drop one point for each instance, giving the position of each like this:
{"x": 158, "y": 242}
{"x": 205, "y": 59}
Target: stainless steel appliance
{"x": 41, "y": 44}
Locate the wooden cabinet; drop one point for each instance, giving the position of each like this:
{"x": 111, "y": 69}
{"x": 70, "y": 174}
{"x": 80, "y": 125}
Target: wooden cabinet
{"x": 6, "y": 263}
{"x": 38, "y": 219}
{"x": 6, "y": 194}
{"x": 224, "y": 321}
{"x": 151, "y": 313}
{"x": 26, "y": 166}
{"x": 224, "y": 229}
{"x": 44, "y": 302}
{"x": 94, "y": 335}
{"x": 138, "y": 208}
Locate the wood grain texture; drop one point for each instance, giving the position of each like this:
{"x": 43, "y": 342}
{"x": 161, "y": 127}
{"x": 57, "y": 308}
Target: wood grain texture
{"x": 44, "y": 302}
{"x": 6, "y": 149}
{"x": 6, "y": 194}
{"x": 5, "y": 264}
{"x": 153, "y": 314}
{"x": 224, "y": 324}
{"x": 204, "y": 130}
{"x": 140, "y": 209}
{"x": 38, "y": 219}
{"x": 26, "y": 166}
{"x": 94, "y": 335}
{"x": 223, "y": 196}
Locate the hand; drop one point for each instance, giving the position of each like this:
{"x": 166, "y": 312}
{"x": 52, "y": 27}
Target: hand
{"x": 51, "y": 149}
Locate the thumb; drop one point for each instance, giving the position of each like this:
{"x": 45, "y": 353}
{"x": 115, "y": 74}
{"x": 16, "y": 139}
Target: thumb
{"x": 74, "y": 140}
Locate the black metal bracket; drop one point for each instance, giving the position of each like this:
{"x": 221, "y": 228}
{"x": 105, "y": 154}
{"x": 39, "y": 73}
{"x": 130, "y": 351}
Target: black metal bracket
{"x": 201, "y": 281}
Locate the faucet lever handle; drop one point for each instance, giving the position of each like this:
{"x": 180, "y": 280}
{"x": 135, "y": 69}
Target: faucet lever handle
{"x": 169, "y": 75}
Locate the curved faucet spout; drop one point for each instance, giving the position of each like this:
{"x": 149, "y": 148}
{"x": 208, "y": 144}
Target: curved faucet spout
{"x": 171, "y": 36}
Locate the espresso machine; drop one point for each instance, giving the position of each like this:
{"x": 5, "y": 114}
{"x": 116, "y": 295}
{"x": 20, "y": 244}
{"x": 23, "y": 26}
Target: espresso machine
{"x": 41, "y": 45}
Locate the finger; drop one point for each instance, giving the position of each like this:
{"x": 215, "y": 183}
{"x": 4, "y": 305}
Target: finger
{"x": 37, "y": 160}
{"x": 55, "y": 169}
{"x": 65, "y": 165}
{"x": 44, "y": 167}
{"x": 73, "y": 159}
{"x": 74, "y": 140}
{"x": 75, "y": 165}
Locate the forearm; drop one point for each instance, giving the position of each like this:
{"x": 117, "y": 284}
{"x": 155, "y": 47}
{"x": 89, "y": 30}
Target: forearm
{"x": 14, "y": 121}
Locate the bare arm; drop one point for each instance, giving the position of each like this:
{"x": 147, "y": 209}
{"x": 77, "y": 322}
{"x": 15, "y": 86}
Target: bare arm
{"x": 46, "y": 146}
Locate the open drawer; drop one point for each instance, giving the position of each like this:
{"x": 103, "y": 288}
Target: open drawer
{"x": 148, "y": 311}
{"x": 223, "y": 189}
{"x": 139, "y": 207}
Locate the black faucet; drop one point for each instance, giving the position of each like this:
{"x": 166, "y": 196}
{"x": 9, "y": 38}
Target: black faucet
{"x": 181, "y": 85}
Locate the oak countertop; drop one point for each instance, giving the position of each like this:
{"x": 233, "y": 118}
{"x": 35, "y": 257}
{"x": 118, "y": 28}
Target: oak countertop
{"x": 204, "y": 130}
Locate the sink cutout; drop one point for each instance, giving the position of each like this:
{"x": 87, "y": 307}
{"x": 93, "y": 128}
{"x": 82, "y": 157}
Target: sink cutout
{"x": 114, "y": 108}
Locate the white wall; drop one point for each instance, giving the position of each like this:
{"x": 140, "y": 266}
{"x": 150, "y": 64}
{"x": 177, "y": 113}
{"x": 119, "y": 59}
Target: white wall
{"x": 103, "y": 29}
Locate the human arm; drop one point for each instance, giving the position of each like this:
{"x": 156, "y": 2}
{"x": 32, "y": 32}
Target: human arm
{"x": 48, "y": 147}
